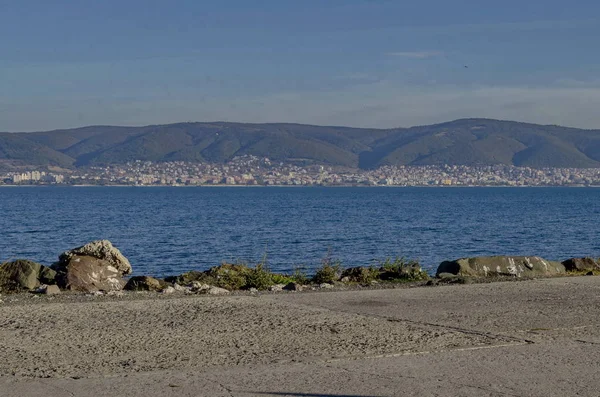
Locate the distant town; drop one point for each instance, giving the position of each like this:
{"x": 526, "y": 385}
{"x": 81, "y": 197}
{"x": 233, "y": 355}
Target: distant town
{"x": 251, "y": 170}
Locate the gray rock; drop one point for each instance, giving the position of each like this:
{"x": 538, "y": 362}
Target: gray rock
{"x": 89, "y": 274}
{"x": 180, "y": 288}
{"x": 24, "y": 275}
{"x": 100, "y": 249}
{"x": 205, "y": 289}
{"x": 216, "y": 291}
{"x": 581, "y": 264}
{"x": 490, "y": 266}
{"x": 325, "y": 286}
{"x": 51, "y": 290}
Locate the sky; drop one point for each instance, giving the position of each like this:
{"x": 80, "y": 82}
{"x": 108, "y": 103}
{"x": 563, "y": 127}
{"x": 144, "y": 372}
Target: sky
{"x": 363, "y": 63}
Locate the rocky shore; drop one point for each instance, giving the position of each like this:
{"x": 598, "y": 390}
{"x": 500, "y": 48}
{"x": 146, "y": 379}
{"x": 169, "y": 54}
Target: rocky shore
{"x": 100, "y": 268}
{"x": 84, "y": 327}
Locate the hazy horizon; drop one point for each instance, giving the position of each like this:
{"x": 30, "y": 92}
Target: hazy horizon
{"x": 357, "y": 63}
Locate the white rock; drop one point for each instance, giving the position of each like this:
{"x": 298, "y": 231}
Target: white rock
{"x": 206, "y": 289}
{"x": 276, "y": 288}
{"x": 216, "y": 291}
{"x": 168, "y": 290}
{"x": 180, "y": 288}
{"x": 197, "y": 286}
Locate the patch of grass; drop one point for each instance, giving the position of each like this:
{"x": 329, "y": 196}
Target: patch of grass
{"x": 282, "y": 279}
{"x": 299, "y": 276}
{"x": 329, "y": 272}
{"x": 363, "y": 275}
{"x": 400, "y": 269}
{"x": 259, "y": 277}
{"x": 229, "y": 276}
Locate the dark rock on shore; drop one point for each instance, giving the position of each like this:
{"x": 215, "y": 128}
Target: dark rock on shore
{"x": 293, "y": 287}
{"x": 24, "y": 275}
{"x": 490, "y": 266}
{"x": 145, "y": 283}
{"x": 89, "y": 274}
{"x": 581, "y": 264}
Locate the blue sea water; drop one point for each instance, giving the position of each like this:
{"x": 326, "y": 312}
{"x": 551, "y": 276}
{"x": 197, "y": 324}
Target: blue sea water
{"x": 169, "y": 230}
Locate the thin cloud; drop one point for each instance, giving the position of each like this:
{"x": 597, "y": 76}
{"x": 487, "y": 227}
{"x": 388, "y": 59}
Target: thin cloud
{"x": 416, "y": 54}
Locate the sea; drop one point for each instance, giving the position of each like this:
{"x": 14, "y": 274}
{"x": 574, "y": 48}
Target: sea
{"x": 171, "y": 230}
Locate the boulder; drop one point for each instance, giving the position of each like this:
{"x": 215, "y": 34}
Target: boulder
{"x": 100, "y": 249}
{"x": 581, "y": 264}
{"x": 489, "y": 266}
{"x": 145, "y": 283}
{"x": 89, "y": 274}
{"x": 24, "y": 275}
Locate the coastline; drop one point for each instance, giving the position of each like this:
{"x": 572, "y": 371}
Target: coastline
{"x": 316, "y": 186}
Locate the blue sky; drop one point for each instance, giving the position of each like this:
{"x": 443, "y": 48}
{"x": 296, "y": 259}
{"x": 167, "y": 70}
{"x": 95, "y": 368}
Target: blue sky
{"x": 372, "y": 63}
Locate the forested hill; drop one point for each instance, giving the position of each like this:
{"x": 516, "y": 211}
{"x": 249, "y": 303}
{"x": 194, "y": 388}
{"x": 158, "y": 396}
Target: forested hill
{"x": 460, "y": 142}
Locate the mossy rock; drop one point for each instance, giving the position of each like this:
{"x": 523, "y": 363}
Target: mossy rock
{"x": 187, "y": 278}
{"x": 24, "y": 275}
{"x": 145, "y": 283}
{"x": 361, "y": 274}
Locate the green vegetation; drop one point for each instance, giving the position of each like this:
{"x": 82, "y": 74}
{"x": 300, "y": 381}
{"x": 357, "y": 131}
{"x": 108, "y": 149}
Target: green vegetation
{"x": 299, "y": 276}
{"x": 240, "y": 276}
{"x": 461, "y": 142}
{"x": 361, "y": 275}
{"x": 401, "y": 269}
{"x": 329, "y": 272}
{"x": 259, "y": 277}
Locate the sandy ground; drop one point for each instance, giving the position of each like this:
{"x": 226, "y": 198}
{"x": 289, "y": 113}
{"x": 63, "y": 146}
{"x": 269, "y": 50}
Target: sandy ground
{"x": 530, "y": 338}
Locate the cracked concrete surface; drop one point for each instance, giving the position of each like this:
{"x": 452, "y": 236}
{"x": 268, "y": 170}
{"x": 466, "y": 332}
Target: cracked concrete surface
{"x": 530, "y": 338}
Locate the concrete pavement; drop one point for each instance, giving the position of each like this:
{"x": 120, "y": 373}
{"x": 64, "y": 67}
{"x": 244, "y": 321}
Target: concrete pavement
{"x": 527, "y": 338}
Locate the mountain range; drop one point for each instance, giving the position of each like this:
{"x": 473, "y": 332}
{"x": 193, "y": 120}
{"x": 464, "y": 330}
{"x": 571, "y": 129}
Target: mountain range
{"x": 460, "y": 142}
